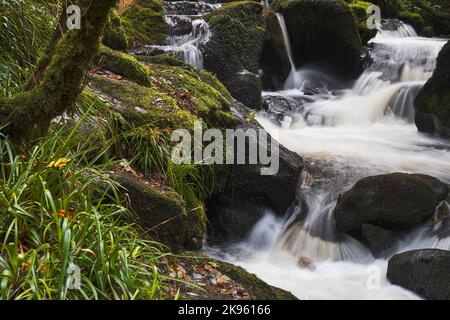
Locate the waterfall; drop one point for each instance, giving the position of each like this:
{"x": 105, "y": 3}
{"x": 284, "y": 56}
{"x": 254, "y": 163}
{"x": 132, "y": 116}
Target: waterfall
{"x": 293, "y": 77}
{"x": 189, "y": 46}
{"x": 188, "y": 32}
{"x": 345, "y": 134}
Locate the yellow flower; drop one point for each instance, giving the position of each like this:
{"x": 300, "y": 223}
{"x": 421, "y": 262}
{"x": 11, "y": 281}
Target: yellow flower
{"x": 58, "y": 164}
{"x": 25, "y": 265}
{"x": 63, "y": 214}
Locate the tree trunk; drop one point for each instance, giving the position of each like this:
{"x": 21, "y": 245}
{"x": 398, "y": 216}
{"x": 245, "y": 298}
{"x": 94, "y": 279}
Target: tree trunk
{"x": 62, "y": 78}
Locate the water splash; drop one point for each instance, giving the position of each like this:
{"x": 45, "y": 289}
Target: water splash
{"x": 345, "y": 134}
{"x": 189, "y": 46}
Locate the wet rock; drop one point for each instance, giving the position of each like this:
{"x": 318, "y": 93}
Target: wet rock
{"x": 179, "y": 25}
{"x": 377, "y": 239}
{"x": 425, "y": 272}
{"x": 192, "y": 8}
{"x": 246, "y": 88}
{"x": 275, "y": 64}
{"x": 433, "y": 101}
{"x": 322, "y": 32}
{"x": 162, "y": 213}
{"x": 392, "y": 201}
{"x": 359, "y": 10}
{"x": 277, "y": 106}
{"x": 235, "y": 45}
{"x": 245, "y": 194}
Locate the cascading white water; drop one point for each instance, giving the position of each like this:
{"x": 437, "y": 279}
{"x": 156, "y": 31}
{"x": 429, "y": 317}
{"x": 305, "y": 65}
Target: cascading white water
{"x": 345, "y": 134}
{"x": 287, "y": 43}
{"x": 190, "y": 45}
{"x": 185, "y": 42}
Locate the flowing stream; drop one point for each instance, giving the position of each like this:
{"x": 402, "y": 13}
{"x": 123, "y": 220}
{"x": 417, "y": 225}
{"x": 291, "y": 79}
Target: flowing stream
{"x": 346, "y": 132}
{"x": 188, "y": 32}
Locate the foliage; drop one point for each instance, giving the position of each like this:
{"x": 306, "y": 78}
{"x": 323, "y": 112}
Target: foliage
{"x": 26, "y": 27}
{"x": 57, "y": 209}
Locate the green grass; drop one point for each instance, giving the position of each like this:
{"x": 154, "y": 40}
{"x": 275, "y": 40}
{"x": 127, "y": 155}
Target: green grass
{"x": 55, "y": 214}
{"x": 147, "y": 149}
{"x": 26, "y": 28}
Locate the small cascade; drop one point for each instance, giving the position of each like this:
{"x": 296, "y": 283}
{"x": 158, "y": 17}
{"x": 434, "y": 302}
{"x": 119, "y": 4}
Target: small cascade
{"x": 402, "y": 104}
{"x": 188, "y": 47}
{"x": 345, "y": 134}
{"x": 188, "y": 32}
{"x": 295, "y": 79}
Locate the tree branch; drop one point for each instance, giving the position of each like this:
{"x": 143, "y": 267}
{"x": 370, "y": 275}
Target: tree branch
{"x": 62, "y": 79}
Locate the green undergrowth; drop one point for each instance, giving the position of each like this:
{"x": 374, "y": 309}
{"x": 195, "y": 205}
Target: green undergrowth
{"x": 25, "y": 30}
{"x": 145, "y": 146}
{"x": 61, "y": 216}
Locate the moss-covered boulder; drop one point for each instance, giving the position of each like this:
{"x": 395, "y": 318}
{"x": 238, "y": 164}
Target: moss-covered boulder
{"x": 433, "y": 101}
{"x": 235, "y": 48}
{"x": 256, "y": 287}
{"x": 275, "y": 64}
{"x": 162, "y": 213}
{"x": 322, "y": 32}
{"x": 161, "y": 95}
{"x": 205, "y": 278}
{"x": 144, "y": 22}
{"x": 359, "y": 10}
{"x": 115, "y": 36}
{"x": 412, "y": 18}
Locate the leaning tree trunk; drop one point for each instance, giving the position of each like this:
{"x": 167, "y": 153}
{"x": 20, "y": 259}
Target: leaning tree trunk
{"x": 62, "y": 78}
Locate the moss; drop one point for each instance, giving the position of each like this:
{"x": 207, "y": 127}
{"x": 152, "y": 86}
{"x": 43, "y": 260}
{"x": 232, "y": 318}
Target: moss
{"x": 125, "y": 65}
{"x": 238, "y": 31}
{"x": 62, "y": 80}
{"x": 115, "y": 36}
{"x": 255, "y": 286}
{"x": 359, "y": 10}
{"x": 144, "y": 106}
{"x": 195, "y": 91}
{"x": 162, "y": 213}
{"x": 323, "y": 32}
{"x": 414, "y": 19}
{"x": 238, "y": 34}
{"x": 164, "y": 58}
{"x": 239, "y": 277}
{"x": 144, "y": 22}
{"x": 434, "y": 97}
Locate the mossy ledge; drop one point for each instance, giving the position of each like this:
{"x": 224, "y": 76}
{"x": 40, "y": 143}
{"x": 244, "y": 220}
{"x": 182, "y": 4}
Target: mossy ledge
{"x": 258, "y": 289}
{"x": 144, "y": 22}
{"x": 161, "y": 89}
